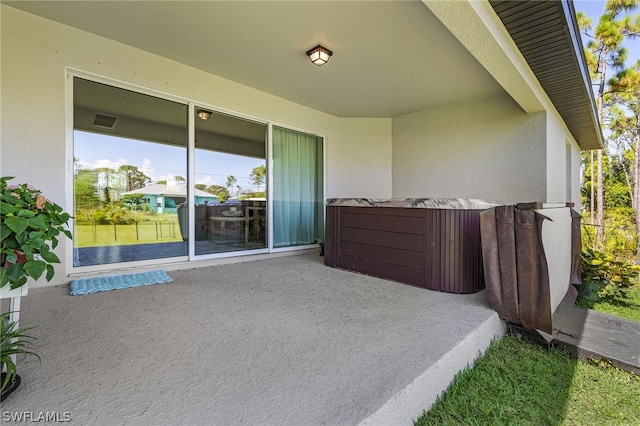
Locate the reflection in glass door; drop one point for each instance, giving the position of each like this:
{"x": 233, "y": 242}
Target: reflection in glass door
{"x": 130, "y": 165}
{"x": 230, "y": 183}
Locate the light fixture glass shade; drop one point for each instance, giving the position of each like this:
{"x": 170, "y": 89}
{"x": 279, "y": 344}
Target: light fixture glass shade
{"x": 319, "y": 55}
{"x": 204, "y": 114}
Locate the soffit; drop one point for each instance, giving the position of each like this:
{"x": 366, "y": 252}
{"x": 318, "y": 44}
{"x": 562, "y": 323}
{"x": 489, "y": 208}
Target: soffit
{"x": 547, "y": 36}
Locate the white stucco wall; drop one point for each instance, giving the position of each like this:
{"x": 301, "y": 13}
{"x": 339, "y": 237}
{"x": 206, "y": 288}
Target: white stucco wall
{"x": 563, "y": 163}
{"x": 489, "y": 149}
{"x": 372, "y": 152}
{"x": 573, "y": 164}
{"x": 36, "y": 52}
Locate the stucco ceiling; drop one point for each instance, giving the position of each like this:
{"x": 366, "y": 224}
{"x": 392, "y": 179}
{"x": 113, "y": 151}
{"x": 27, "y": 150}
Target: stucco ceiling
{"x": 390, "y": 57}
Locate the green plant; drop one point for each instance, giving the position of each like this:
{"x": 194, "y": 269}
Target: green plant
{"x": 612, "y": 276}
{"x": 30, "y": 226}
{"x": 13, "y": 341}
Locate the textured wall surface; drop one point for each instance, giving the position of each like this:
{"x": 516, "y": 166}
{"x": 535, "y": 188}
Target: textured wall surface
{"x": 563, "y": 163}
{"x": 575, "y": 174}
{"x": 360, "y": 158}
{"x": 488, "y": 149}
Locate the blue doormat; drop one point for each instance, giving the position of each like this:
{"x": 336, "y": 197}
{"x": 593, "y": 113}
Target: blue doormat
{"x": 115, "y": 282}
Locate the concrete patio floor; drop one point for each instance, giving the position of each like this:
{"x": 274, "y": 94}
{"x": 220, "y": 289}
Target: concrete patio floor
{"x": 283, "y": 341}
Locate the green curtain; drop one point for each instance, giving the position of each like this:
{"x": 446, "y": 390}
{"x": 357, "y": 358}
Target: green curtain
{"x": 297, "y": 188}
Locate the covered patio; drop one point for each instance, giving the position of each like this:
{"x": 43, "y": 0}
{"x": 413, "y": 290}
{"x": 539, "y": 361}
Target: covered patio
{"x": 421, "y": 99}
{"x": 280, "y": 341}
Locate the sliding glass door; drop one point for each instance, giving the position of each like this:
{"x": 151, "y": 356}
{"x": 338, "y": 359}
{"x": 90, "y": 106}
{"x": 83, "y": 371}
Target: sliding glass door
{"x": 135, "y": 198}
{"x": 130, "y": 168}
{"x": 230, "y": 183}
{"x": 298, "y": 213}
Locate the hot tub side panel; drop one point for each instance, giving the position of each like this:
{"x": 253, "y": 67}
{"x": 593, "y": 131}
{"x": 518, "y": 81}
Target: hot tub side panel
{"x": 454, "y": 254}
{"x": 431, "y": 248}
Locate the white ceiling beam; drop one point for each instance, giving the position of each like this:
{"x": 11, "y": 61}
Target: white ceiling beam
{"x": 475, "y": 24}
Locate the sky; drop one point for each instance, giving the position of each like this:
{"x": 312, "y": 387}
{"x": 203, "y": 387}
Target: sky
{"x": 594, "y": 9}
{"x": 161, "y": 162}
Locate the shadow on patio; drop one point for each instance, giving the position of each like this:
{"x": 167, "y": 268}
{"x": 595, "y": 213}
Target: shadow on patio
{"x": 279, "y": 341}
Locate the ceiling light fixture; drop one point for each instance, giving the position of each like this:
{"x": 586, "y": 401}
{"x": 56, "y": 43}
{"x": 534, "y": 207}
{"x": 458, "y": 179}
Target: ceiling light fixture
{"x": 204, "y": 114}
{"x": 319, "y": 55}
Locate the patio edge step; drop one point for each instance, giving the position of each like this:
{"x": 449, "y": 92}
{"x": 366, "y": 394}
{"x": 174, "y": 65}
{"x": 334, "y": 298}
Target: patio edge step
{"x": 410, "y": 403}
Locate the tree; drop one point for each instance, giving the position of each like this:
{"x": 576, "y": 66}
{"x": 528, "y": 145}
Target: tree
{"x": 134, "y": 178}
{"x": 604, "y": 51}
{"x": 626, "y": 128}
{"x": 219, "y": 191}
{"x": 232, "y": 182}
{"x": 133, "y": 201}
{"x": 258, "y": 176}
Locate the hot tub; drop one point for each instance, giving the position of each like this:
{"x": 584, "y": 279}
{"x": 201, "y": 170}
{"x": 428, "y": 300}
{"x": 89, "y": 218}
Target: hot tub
{"x": 426, "y": 242}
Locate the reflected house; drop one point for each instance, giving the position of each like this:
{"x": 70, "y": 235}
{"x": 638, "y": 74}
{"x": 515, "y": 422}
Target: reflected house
{"x": 166, "y": 198}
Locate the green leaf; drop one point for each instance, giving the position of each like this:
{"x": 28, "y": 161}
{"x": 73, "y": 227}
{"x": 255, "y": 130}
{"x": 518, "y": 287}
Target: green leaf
{"x": 50, "y": 272}
{"x": 35, "y": 268}
{"x": 38, "y": 222}
{"x": 26, "y": 213}
{"x": 50, "y": 257}
{"x": 67, "y": 233}
{"x": 28, "y": 251}
{"x": 10, "y": 199}
{"x": 35, "y": 234}
{"x": 11, "y": 257}
{"x": 4, "y": 278}
{"x": 10, "y": 242}
{"x": 21, "y": 238}
{"x": 596, "y": 262}
{"x": 15, "y": 272}
{"x": 6, "y": 208}
{"x": 37, "y": 243}
{"x": 16, "y": 224}
{"x": 4, "y": 231}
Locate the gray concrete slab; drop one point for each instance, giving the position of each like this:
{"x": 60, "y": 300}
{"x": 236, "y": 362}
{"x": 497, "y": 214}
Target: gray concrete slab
{"x": 283, "y": 341}
{"x": 589, "y": 334}
{"x": 596, "y": 335}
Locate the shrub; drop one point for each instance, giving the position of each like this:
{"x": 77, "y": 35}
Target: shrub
{"x": 30, "y": 225}
{"x": 113, "y": 214}
{"x": 611, "y": 276}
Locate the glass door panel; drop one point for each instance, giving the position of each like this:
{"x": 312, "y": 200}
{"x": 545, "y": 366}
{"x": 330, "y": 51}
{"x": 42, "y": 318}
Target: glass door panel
{"x": 298, "y": 215}
{"x": 130, "y": 165}
{"x": 230, "y": 183}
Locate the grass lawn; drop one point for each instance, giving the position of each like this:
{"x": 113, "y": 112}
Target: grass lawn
{"x": 628, "y": 307}
{"x": 146, "y": 232}
{"x": 517, "y": 382}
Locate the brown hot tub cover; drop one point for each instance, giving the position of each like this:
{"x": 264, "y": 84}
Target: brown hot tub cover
{"x": 515, "y": 266}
